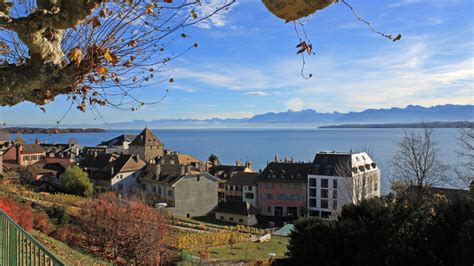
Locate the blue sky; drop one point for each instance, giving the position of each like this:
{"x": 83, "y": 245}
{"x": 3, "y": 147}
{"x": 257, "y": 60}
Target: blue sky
{"x": 246, "y": 64}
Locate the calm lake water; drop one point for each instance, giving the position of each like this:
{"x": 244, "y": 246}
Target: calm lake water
{"x": 260, "y": 146}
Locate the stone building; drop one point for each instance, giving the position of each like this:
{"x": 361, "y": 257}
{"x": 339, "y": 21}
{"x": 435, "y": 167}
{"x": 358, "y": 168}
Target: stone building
{"x": 147, "y": 146}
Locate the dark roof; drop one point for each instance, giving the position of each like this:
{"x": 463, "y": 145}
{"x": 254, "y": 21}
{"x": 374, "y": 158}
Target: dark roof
{"x": 118, "y": 141}
{"x": 243, "y": 178}
{"x": 226, "y": 171}
{"x": 146, "y": 138}
{"x": 32, "y": 149}
{"x": 42, "y": 168}
{"x": 118, "y": 164}
{"x": 237, "y": 207}
{"x": 286, "y": 172}
{"x": 332, "y": 164}
{"x": 98, "y": 161}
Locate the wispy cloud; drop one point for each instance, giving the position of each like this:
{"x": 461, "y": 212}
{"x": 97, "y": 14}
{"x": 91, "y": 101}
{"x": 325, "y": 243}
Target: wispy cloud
{"x": 218, "y": 19}
{"x": 256, "y": 93}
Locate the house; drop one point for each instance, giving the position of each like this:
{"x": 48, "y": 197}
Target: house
{"x": 238, "y": 212}
{"x": 90, "y": 151}
{"x": 113, "y": 171}
{"x": 24, "y": 154}
{"x": 46, "y": 172}
{"x": 242, "y": 187}
{"x": 224, "y": 172}
{"x": 69, "y": 151}
{"x": 282, "y": 190}
{"x": 118, "y": 144}
{"x": 182, "y": 185}
{"x": 147, "y": 146}
{"x": 339, "y": 178}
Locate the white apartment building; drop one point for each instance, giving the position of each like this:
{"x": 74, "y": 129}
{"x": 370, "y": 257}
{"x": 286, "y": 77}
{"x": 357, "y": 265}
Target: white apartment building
{"x": 341, "y": 178}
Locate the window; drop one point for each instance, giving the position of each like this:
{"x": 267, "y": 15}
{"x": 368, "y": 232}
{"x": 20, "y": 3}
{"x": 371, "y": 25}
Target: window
{"x": 269, "y": 196}
{"x": 324, "y": 204}
{"x": 281, "y": 197}
{"x": 26, "y": 157}
{"x": 334, "y": 194}
{"x": 269, "y": 209}
{"x": 334, "y": 183}
{"x": 375, "y": 186}
{"x": 314, "y": 213}
{"x": 231, "y": 218}
{"x": 269, "y": 185}
{"x": 312, "y": 203}
{"x": 324, "y": 183}
{"x": 324, "y": 193}
{"x": 325, "y": 214}
{"x": 241, "y": 220}
{"x": 312, "y": 192}
{"x": 154, "y": 189}
{"x": 34, "y": 157}
{"x": 249, "y": 195}
{"x": 260, "y": 196}
{"x": 334, "y": 204}
{"x": 312, "y": 182}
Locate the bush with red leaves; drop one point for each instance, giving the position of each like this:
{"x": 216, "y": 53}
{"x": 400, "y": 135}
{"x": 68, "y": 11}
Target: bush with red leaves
{"x": 24, "y": 215}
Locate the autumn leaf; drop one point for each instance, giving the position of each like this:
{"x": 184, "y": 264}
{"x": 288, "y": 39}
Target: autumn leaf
{"x": 397, "y": 38}
{"x": 102, "y": 70}
{"x": 111, "y": 57}
{"x": 128, "y": 63}
{"x": 149, "y": 9}
{"x": 75, "y": 55}
{"x": 95, "y": 22}
{"x": 171, "y": 80}
{"x": 193, "y": 14}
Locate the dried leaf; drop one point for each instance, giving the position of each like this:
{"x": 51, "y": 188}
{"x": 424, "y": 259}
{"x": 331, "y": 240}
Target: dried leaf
{"x": 102, "y": 70}
{"x": 75, "y": 55}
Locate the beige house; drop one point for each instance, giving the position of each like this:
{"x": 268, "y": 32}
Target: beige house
{"x": 180, "y": 182}
{"x": 238, "y": 212}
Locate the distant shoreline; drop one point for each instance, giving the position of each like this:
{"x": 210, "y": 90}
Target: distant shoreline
{"x": 407, "y": 125}
{"x": 37, "y": 130}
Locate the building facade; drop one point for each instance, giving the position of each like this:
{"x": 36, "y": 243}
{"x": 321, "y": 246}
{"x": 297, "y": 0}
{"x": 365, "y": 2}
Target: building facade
{"x": 147, "y": 146}
{"x": 282, "y": 190}
{"x": 337, "y": 179}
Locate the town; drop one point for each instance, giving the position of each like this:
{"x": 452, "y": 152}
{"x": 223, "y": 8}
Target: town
{"x": 188, "y": 187}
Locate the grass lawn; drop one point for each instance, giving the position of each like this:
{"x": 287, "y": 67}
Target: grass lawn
{"x": 249, "y": 250}
{"x": 67, "y": 254}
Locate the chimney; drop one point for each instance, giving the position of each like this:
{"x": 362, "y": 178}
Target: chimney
{"x": 19, "y": 153}
{"x": 157, "y": 171}
{"x": 276, "y": 158}
{"x": 37, "y": 141}
{"x": 248, "y": 164}
{"x": 238, "y": 163}
{"x": 183, "y": 169}
{"x": 112, "y": 171}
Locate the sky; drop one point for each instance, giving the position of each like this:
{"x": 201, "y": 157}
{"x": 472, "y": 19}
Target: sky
{"x": 246, "y": 64}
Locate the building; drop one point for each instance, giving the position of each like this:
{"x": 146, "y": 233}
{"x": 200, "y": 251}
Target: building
{"x": 69, "y": 151}
{"x": 224, "y": 172}
{"x": 282, "y": 190}
{"x": 181, "y": 181}
{"x": 242, "y": 187}
{"x": 238, "y": 212}
{"x": 114, "y": 171}
{"x": 24, "y": 154}
{"x": 339, "y": 178}
{"x": 147, "y": 146}
{"x": 118, "y": 144}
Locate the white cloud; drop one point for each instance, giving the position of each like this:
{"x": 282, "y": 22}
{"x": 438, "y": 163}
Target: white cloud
{"x": 295, "y": 104}
{"x": 256, "y": 93}
{"x": 218, "y": 19}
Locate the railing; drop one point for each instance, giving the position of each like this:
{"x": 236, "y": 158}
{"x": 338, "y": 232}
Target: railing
{"x": 17, "y": 247}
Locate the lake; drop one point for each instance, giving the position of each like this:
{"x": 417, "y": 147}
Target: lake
{"x": 260, "y": 146}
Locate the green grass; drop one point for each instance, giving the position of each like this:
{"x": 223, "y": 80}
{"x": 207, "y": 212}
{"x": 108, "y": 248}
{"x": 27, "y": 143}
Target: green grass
{"x": 249, "y": 250}
{"x": 67, "y": 254}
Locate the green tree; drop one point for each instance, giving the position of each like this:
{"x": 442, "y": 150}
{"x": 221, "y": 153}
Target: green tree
{"x": 75, "y": 181}
{"x": 214, "y": 159}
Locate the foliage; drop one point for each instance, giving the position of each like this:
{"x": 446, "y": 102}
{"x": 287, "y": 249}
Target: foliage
{"x": 58, "y": 215}
{"x": 213, "y": 159}
{"x": 465, "y": 169}
{"x": 122, "y": 230}
{"x": 95, "y": 51}
{"x": 75, "y": 181}
{"x": 388, "y": 232}
{"x": 25, "y": 216}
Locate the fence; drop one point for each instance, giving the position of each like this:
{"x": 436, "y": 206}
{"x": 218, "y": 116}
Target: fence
{"x": 17, "y": 247}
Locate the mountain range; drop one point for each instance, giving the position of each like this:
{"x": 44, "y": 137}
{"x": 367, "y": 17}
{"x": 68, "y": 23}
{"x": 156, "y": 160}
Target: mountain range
{"x": 313, "y": 118}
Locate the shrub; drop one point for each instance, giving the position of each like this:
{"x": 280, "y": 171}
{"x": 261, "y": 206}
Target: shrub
{"x": 58, "y": 215}
{"x": 75, "y": 181}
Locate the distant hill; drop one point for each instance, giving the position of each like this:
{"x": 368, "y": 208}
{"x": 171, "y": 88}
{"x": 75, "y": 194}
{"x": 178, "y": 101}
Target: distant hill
{"x": 411, "y": 114}
{"x": 313, "y": 118}
{"x": 461, "y": 124}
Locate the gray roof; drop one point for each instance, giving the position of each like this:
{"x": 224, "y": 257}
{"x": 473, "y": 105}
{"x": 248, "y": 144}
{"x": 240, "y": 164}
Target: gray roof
{"x": 286, "y": 172}
{"x": 146, "y": 138}
{"x": 237, "y": 207}
{"x": 243, "y": 178}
